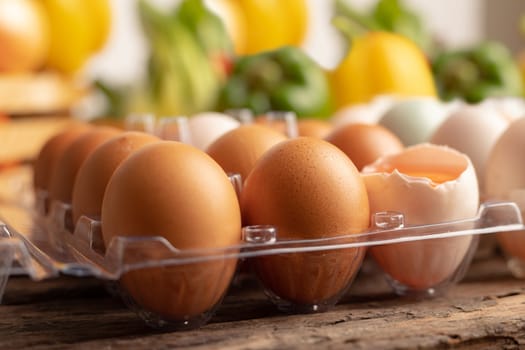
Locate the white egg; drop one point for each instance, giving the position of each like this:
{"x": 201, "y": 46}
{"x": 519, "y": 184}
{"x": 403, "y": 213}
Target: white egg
{"x": 472, "y": 130}
{"x": 505, "y": 168}
{"x": 428, "y": 184}
{"x": 206, "y": 127}
{"x": 368, "y": 113}
{"x": 414, "y": 120}
{"x": 505, "y": 180}
{"x": 511, "y": 107}
{"x": 452, "y": 106}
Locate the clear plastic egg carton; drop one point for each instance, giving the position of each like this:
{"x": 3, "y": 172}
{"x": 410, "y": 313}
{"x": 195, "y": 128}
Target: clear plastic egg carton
{"x": 512, "y": 243}
{"x": 312, "y": 275}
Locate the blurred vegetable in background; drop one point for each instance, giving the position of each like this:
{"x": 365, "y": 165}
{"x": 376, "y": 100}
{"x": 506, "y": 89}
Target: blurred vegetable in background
{"x": 488, "y": 69}
{"x": 270, "y": 24}
{"x": 472, "y": 74}
{"x": 394, "y": 16}
{"x": 182, "y": 76}
{"x": 230, "y": 12}
{"x": 24, "y": 35}
{"x": 44, "y": 46}
{"x": 521, "y": 63}
{"x": 190, "y": 54}
{"x": 209, "y": 32}
{"x": 521, "y": 56}
{"x": 391, "y": 16}
{"x": 78, "y": 29}
{"x": 381, "y": 63}
{"x": 51, "y": 34}
{"x": 286, "y": 79}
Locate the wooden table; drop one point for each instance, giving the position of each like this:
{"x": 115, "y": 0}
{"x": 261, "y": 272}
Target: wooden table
{"x": 485, "y": 311}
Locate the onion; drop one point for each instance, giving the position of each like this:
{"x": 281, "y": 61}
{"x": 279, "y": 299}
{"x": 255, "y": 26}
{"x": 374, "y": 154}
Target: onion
{"x": 24, "y": 35}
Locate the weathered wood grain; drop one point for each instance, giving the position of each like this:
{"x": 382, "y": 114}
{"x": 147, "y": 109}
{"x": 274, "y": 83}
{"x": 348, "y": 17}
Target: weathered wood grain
{"x": 486, "y": 310}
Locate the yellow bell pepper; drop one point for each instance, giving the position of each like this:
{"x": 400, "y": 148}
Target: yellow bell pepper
{"x": 262, "y": 25}
{"x": 78, "y": 29}
{"x": 270, "y": 24}
{"x": 381, "y": 63}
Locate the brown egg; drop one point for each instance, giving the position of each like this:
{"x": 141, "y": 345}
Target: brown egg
{"x": 51, "y": 151}
{"x": 364, "y": 143}
{"x": 94, "y": 174}
{"x": 67, "y": 165}
{"x": 176, "y": 191}
{"x": 239, "y": 149}
{"x": 307, "y": 188}
{"x": 314, "y": 128}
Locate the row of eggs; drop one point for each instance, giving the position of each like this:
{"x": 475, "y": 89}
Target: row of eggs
{"x": 307, "y": 187}
{"x": 470, "y": 129}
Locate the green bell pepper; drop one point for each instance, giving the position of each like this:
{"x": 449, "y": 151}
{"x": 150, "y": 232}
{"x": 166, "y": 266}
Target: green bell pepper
{"x": 286, "y": 79}
{"x": 486, "y": 70}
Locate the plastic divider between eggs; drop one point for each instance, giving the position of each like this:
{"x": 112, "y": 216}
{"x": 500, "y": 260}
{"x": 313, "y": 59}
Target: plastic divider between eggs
{"x": 81, "y": 252}
{"x": 40, "y": 241}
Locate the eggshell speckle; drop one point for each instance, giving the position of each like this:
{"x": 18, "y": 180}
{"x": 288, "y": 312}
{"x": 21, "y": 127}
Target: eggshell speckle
{"x": 94, "y": 174}
{"x": 307, "y": 188}
{"x": 176, "y": 191}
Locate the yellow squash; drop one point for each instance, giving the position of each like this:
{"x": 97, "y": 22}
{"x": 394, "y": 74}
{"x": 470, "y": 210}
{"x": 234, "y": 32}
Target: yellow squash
{"x": 78, "y": 29}
{"x": 381, "y": 63}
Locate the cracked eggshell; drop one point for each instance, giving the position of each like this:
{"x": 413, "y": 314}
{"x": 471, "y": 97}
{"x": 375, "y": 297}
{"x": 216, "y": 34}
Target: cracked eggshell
{"x": 428, "y": 184}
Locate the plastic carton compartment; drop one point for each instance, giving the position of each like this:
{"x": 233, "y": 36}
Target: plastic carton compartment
{"x": 44, "y": 247}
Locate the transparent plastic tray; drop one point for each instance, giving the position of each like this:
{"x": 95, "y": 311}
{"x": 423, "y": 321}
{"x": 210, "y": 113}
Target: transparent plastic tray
{"x": 43, "y": 246}
{"x": 29, "y": 247}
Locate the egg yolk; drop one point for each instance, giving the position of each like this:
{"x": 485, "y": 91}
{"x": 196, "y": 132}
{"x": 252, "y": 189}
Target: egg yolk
{"x": 435, "y": 176}
{"x": 434, "y": 163}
